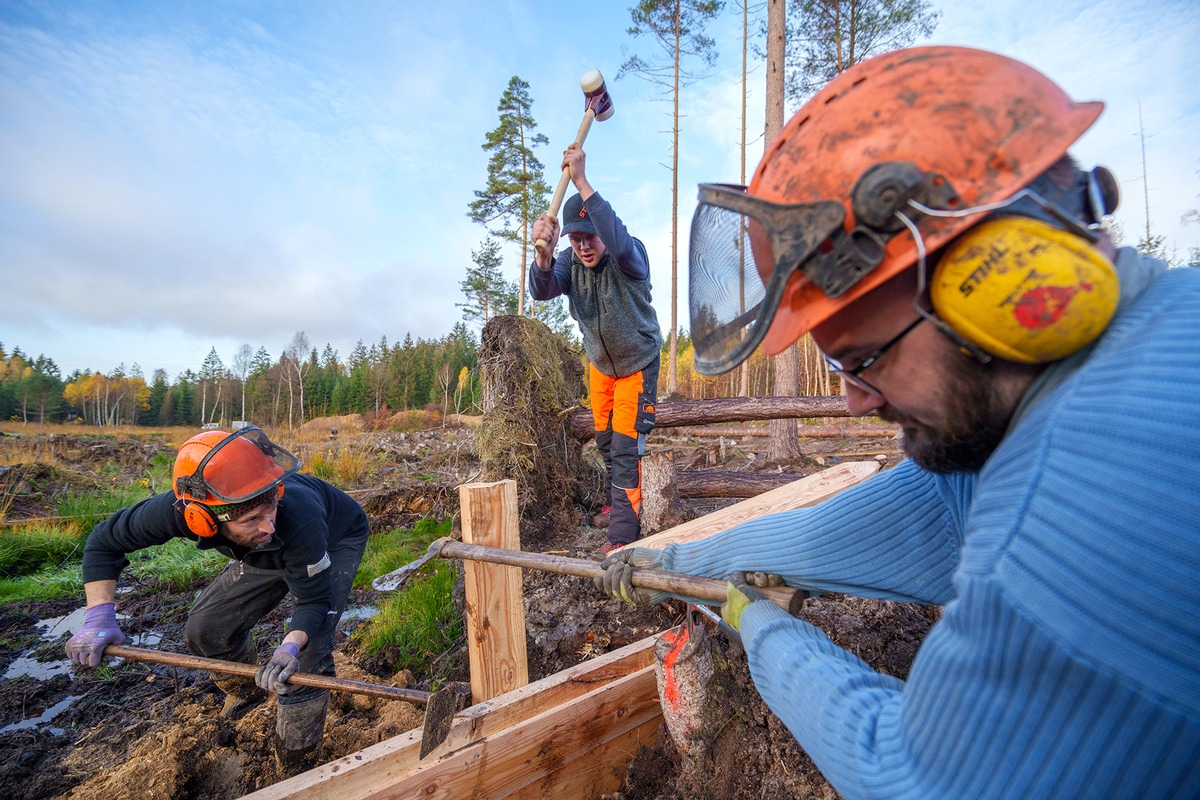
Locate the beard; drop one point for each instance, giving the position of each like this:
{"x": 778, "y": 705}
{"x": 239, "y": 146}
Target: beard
{"x": 973, "y": 424}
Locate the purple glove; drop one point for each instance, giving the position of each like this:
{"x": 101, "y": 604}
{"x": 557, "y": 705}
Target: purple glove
{"x": 99, "y": 630}
{"x": 272, "y": 676}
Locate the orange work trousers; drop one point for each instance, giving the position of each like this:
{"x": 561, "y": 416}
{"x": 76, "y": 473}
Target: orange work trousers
{"x": 623, "y": 412}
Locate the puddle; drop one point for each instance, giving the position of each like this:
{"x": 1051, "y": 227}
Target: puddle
{"x": 357, "y": 613}
{"x": 47, "y": 715}
{"x": 67, "y": 625}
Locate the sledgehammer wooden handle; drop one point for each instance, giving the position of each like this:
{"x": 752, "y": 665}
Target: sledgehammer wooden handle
{"x": 709, "y": 589}
{"x": 249, "y": 670}
{"x": 561, "y": 190}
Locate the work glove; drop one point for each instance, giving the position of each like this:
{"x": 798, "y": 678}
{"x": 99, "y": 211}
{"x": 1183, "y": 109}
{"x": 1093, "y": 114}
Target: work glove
{"x": 272, "y": 676}
{"x": 618, "y": 575}
{"x": 99, "y": 630}
{"x": 740, "y": 593}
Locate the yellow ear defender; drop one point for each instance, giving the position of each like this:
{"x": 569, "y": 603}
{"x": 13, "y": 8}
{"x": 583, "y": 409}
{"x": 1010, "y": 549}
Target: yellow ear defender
{"x": 1024, "y": 290}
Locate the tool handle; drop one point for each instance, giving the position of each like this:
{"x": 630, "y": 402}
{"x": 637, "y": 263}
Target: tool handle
{"x": 589, "y": 114}
{"x": 709, "y": 589}
{"x": 249, "y": 670}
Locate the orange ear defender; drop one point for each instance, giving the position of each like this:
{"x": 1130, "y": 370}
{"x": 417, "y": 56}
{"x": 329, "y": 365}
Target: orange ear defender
{"x": 199, "y": 519}
{"x": 1024, "y": 290}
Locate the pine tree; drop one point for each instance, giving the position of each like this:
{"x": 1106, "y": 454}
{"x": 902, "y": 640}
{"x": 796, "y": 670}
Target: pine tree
{"x": 516, "y": 193}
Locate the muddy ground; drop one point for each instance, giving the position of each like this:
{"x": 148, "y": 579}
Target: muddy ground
{"x": 137, "y": 730}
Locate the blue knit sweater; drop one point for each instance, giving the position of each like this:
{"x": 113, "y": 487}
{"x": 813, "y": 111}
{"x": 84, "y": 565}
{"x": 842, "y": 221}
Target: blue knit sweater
{"x": 1067, "y": 660}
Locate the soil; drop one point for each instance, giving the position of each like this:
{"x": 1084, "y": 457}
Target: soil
{"x": 138, "y": 730}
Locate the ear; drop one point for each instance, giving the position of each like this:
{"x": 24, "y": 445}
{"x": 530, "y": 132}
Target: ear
{"x": 199, "y": 519}
{"x": 1024, "y": 290}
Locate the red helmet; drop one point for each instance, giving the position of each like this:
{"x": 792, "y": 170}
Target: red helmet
{"x": 948, "y": 127}
{"x": 215, "y": 468}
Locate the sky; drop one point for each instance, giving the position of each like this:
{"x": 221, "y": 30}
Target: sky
{"x": 182, "y": 176}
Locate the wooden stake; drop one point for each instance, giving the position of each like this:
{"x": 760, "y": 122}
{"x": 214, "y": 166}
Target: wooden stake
{"x": 495, "y": 604}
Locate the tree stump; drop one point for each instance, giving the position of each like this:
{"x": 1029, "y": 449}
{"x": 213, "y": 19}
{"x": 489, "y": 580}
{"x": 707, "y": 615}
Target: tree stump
{"x": 531, "y": 382}
{"x": 661, "y": 506}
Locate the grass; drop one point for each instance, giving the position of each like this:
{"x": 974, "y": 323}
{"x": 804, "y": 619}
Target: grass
{"x": 419, "y": 622}
{"x": 32, "y": 548}
{"x": 175, "y": 565}
{"x": 47, "y": 584}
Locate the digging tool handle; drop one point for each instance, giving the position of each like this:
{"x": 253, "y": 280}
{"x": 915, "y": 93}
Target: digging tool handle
{"x": 249, "y": 670}
{"x": 708, "y": 589}
{"x": 556, "y": 202}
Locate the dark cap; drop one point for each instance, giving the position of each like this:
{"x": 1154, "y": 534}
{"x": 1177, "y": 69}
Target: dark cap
{"x": 575, "y": 217}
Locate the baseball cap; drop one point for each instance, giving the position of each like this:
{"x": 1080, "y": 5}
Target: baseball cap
{"x": 575, "y": 217}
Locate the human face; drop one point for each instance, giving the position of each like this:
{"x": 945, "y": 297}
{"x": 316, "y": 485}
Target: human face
{"x": 587, "y": 246}
{"x": 255, "y": 528}
{"x": 953, "y": 410}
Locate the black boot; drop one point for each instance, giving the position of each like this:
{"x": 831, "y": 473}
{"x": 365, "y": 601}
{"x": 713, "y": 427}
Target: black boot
{"x": 298, "y": 731}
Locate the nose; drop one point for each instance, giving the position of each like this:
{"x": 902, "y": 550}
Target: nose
{"x": 267, "y": 525}
{"x": 862, "y": 402}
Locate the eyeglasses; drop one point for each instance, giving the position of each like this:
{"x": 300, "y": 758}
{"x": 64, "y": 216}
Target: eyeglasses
{"x": 851, "y": 375}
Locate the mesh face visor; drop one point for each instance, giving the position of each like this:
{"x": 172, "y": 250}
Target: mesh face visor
{"x": 736, "y": 239}
{"x": 241, "y": 466}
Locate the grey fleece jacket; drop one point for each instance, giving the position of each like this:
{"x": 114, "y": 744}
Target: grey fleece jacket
{"x": 611, "y": 301}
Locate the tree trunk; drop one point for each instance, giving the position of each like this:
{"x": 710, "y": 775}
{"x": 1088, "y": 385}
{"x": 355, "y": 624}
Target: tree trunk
{"x": 728, "y": 409}
{"x": 721, "y": 483}
{"x": 784, "y": 442}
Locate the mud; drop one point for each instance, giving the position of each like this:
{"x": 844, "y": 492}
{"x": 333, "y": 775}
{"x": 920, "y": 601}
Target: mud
{"x": 137, "y": 730}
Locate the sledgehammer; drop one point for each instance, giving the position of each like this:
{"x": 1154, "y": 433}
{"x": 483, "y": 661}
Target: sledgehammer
{"x": 598, "y": 105}
{"x": 706, "y": 589}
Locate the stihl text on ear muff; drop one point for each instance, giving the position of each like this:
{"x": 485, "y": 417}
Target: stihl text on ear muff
{"x": 1024, "y": 290}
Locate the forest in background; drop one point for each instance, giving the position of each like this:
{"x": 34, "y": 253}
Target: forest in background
{"x": 300, "y": 384}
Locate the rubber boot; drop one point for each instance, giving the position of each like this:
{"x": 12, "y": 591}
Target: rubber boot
{"x": 298, "y": 731}
{"x": 241, "y": 695}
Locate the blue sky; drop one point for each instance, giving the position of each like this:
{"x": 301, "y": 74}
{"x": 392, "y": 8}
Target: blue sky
{"x": 179, "y": 176}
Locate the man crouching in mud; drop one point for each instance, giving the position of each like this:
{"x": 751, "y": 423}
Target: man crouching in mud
{"x": 242, "y": 496}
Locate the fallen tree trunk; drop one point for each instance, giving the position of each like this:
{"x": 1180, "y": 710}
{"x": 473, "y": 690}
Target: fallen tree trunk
{"x": 727, "y": 409}
{"x": 718, "y": 483}
{"x": 806, "y": 431}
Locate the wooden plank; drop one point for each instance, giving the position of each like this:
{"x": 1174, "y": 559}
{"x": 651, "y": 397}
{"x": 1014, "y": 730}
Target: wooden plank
{"x": 391, "y": 761}
{"x": 596, "y": 773}
{"x": 505, "y": 764}
{"x": 519, "y": 705}
{"x": 495, "y": 604}
{"x": 798, "y": 494}
{"x": 352, "y": 775}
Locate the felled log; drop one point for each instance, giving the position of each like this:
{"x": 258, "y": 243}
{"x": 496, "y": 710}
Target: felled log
{"x": 806, "y": 431}
{"x": 720, "y": 483}
{"x": 727, "y": 409}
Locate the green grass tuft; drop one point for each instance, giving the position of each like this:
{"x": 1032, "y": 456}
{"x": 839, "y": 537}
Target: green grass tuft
{"x": 417, "y": 624}
{"x": 49, "y": 584}
{"x": 393, "y": 549}
{"x": 175, "y": 564}
{"x": 28, "y": 549}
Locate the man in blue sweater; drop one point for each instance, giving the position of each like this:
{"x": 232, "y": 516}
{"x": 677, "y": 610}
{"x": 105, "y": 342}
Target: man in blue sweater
{"x": 605, "y": 275}
{"x": 921, "y": 218}
{"x": 228, "y": 494}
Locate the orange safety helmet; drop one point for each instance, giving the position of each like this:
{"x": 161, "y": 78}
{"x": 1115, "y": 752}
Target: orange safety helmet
{"x": 215, "y": 469}
{"x": 950, "y": 127}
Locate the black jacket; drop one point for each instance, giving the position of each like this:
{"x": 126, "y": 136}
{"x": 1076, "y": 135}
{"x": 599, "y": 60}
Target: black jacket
{"x": 313, "y": 517}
